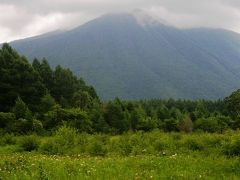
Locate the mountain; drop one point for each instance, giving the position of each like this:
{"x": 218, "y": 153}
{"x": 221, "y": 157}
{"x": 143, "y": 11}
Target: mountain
{"x": 133, "y": 56}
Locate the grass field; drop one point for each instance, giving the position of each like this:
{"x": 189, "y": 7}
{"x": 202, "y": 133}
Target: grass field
{"x": 153, "y": 155}
{"x": 193, "y": 166}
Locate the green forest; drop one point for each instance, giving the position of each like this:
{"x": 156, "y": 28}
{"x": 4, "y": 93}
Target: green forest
{"x": 56, "y": 116}
{"x": 38, "y": 99}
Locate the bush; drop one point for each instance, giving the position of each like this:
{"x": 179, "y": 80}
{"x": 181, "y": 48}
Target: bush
{"x": 50, "y": 146}
{"x": 207, "y": 124}
{"x": 121, "y": 145}
{"x": 22, "y": 126}
{"x": 29, "y": 143}
{"x": 159, "y": 145}
{"x": 213, "y": 141}
{"x": 186, "y": 125}
{"x": 6, "y": 120}
{"x": 96, "y": 148}
{"x": 194, "y": 144}
{"x": 232, "y": 148}
{"x": 66, "y": 136}
{"x": 37, "y": 126}
{"x": 7, "y": 139}
{"x": 126, "y": 147}
{"x": 170, "y": 125}
{"x": 63, "y": 142}
{"x": 78, "y": 119}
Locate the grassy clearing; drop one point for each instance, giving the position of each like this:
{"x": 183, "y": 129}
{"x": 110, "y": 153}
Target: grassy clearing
{"x": 153, "y": 155}
{"x": 194, "y": 166}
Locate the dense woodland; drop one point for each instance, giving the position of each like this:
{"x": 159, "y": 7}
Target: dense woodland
{"x": 34, "y": 98}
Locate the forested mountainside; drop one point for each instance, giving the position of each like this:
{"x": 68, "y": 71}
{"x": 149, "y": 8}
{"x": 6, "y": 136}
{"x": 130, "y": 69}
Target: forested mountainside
{"x": 36, "y": 98}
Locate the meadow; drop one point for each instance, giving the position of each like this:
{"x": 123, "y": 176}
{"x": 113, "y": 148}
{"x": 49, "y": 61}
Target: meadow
{"x": 68, "y": 154}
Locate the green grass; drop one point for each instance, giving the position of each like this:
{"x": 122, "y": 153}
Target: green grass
{"x": 153, "y": 155}
{"x": 193, "y": 166}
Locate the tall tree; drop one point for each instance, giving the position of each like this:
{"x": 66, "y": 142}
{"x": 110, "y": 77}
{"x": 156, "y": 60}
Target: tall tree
{"x": 18, "y": 78}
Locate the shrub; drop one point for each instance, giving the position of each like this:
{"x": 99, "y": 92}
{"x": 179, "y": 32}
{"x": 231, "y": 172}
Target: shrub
{"x": 22, "y": 126}
{"x": 232, "y": 148}
{"x": 146, "y": 124}
{"x": 207, "y": 124}
{"x": 125, "y": 149}
{"x": 66, "y": 136}
{"x": 97, "y": 148}
{"x": 186, "y": 125}
{"x": 170, "y": 125}
{"x": 78, "y": 119}
{"x": 37, "y": 126}
{"x": 176, "y": 136}
{"x": 7, "y": 139}
{"x": 159, "y": 145}
{"x": 63, "y": 142}
{"x": 29, "y": 143}
{"x": 212, "y": 141}
{"x": 194, "y": 144}
{"x": 6, "y": 120}
{"x": 50, "y": 146}
{"x": 124, "y": 145}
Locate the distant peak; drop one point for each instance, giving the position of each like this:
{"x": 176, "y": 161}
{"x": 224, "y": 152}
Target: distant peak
{"x": 145, "y": 19}
{"x": 142, "y": 17}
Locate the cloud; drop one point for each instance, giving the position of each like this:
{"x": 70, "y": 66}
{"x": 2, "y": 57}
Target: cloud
{"x": 26, "y": 18}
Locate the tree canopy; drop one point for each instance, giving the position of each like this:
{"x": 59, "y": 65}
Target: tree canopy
{"x": 36, "y": 97}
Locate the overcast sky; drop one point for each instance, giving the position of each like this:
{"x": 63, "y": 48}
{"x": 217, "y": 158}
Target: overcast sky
{"x": 25, "y": 18}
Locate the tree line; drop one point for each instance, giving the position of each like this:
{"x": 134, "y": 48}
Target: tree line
{"x": 37, "y": 98}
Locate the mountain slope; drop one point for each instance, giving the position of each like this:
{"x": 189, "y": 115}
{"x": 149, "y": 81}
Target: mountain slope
{"x": 123, "y": 56}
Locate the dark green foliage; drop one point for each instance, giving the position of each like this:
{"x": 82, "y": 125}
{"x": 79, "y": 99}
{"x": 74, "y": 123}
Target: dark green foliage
{"x": 232, "y": 103}
{"x": 137, "y": 117}
{"x": 194, "y": 144}
{"x": 47, "y": 103}
{"x": 29, "y": 143}
{"x": 6, "y": 120}
{"x": 169, "y": 125}
{"x": 82, "y": 100}
{"x": 53, "y": 118}
{"x": 232, "y": 147}
{"x": 36, "y": 65}
{"x": 36, "y": 89}
{"x": 224, "y": 122}
{"x": 64, "y": 86}
{"x": 73, "y": 117}
{"x": 20, "y": 109}
{"x": 46, "y": 74}
{"x": 62, "y": 142}
{"x": 236, "y": 123}
{"x": 218, "y": 123}
{"x": 7, "y": 139}
{"x": 96, "y": 115}
{"x": 18, "y": 78}
{"x": 114, "y": 114}
{"x": 200, "y": 111}
{"x": 162, "y": 112}
{"x": 96, "y": 148}
{"x": 78, "y": 119}
{"x": 37, "y": 126}
{"x": 65, "y": 99}
{"x": 207, "y": 124}
{"x": 146, "y": 124}
{"x": 22, "y": 126}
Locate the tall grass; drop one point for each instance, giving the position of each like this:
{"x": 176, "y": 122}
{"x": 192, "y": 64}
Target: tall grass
{"x": 67, "y": 141}
{"x": 153, "y": 155}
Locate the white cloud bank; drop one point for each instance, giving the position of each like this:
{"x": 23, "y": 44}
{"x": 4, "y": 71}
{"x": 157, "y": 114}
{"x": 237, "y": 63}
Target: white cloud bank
{"x": 25, "y": 18}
